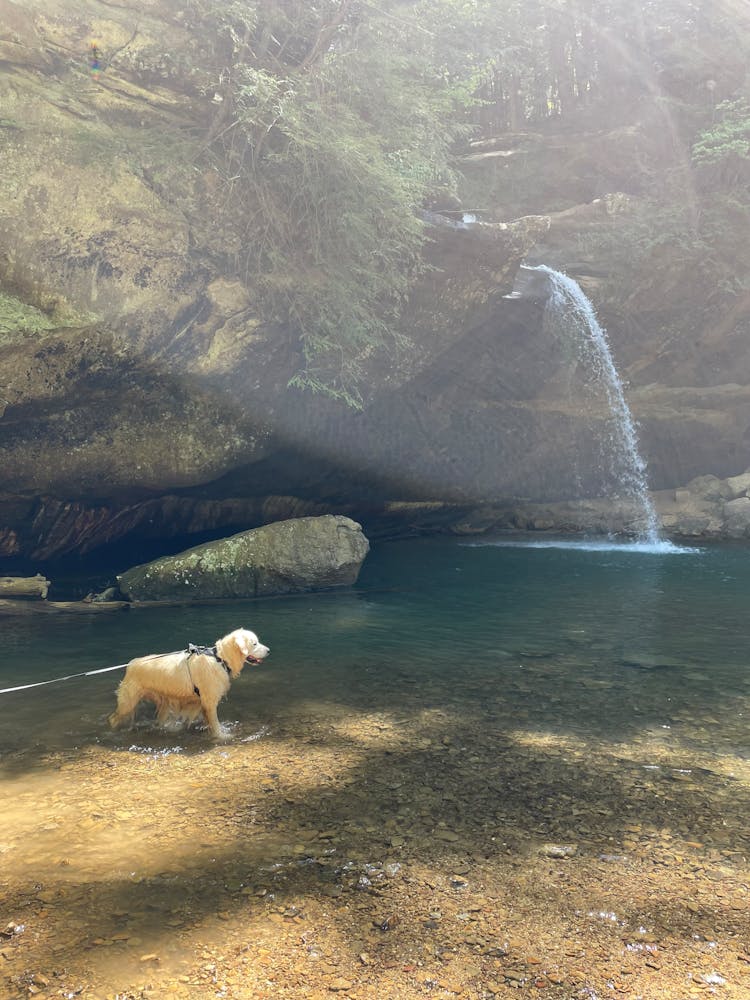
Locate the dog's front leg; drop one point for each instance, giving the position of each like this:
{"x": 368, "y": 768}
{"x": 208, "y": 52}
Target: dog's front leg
{"x": 212, "y": 721}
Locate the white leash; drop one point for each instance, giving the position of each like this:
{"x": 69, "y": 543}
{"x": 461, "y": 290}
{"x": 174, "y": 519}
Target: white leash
{"x": 70, "y": 677}
{"x": 56, "y": 680}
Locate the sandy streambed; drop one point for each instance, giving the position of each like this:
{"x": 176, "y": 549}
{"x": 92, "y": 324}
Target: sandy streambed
{"x": 390, "y": 855}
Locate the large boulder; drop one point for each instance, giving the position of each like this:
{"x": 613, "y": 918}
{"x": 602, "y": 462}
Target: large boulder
{"x": 737, "y": 514}
{"x": 739, "y": 485}
{"x": 307, "y": 553}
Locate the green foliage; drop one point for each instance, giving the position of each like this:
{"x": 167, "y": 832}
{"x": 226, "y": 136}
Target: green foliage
{"x": 726, "y": 144}
{"x": 598, "y": 58}
{"x": 680, "y": 245}
{"x": 336, "y": 124}
{"x": 18, "y": 318}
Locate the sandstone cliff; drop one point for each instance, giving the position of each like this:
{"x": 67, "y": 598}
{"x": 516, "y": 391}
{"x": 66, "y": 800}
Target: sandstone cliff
{"x": 143, "y": 396}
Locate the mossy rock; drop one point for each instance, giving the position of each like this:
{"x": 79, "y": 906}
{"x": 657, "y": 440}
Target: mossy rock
{"x": 307, "y": 553}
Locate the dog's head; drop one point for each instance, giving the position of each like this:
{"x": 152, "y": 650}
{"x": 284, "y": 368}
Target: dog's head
{"x": 240, "y": 648}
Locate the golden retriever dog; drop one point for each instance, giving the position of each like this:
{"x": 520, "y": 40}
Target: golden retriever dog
{"x": 188, "y": 683}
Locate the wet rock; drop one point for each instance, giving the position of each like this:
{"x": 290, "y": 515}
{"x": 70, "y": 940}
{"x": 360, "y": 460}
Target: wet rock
{"x": 307, "y": 553}
{"x": 109, "y": 594}
{"x": 447, "y": 835}
{"x": 637, "y": 662}
{"x": 388, "y": 923}
{"x": 558, "y": 850}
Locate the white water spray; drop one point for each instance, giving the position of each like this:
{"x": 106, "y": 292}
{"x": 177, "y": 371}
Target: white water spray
{"x": 568, "y": 305}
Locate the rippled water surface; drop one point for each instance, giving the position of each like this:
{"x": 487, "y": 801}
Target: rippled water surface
{"x": 597, "y": 641}
{"x": 466, "y": 703}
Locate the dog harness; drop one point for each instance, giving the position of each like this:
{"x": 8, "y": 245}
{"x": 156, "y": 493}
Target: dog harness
{"x": 193, "y": 650}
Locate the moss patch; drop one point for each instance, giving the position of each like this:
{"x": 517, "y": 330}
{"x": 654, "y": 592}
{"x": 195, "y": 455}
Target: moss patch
{"x": 18, "y": 317}
{"x": 19, "y": 320}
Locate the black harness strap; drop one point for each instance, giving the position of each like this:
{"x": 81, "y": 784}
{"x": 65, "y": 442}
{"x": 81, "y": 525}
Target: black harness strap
{"x": 193, "y": 650}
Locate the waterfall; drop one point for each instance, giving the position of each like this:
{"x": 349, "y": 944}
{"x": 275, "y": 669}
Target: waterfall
{"x": 568, "y": 306}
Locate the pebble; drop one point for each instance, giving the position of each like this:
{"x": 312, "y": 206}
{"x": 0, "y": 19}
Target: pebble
{"x": 450, "y": 987}
{"x": 448, "y": 835}
{"x": 714, "y": 979}
{"x": 559, "y": 850}
{"x": 340, "y": 985}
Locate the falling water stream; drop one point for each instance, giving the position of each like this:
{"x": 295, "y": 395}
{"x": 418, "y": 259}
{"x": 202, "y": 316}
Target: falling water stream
{"x": 568, "y": 307}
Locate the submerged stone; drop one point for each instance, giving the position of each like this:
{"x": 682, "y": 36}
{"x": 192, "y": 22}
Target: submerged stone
{"x": 558, "y": 850}
{"x": 308, "y": 553}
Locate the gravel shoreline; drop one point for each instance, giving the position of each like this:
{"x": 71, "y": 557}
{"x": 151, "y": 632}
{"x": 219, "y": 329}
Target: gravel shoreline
{"x": 389, "y": 856}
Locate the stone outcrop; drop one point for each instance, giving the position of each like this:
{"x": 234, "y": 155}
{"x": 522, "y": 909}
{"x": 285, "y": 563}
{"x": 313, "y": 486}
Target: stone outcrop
{"x": 143, "y": 398}
{"x": 707, "y": 507}
{"x": 45, "y": 528}
{"x": 308, "y": 553}
{"x": 138, "y": 385}
{"x": 110, "y": 316}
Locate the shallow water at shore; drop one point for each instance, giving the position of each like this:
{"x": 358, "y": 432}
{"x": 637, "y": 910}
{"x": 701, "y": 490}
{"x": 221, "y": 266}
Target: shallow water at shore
{"x": 488, "y": 768}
